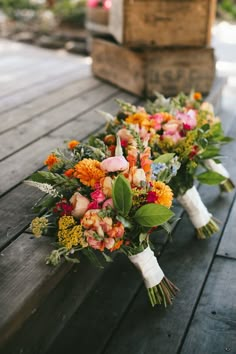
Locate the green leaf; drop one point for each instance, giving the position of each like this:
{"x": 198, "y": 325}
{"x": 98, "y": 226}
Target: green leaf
{"x": 210, "y": 178}
{"x": 164, "y": 158}
{"x": 226, "y": 139}
{"x": 122, "y": 195}
{"x": 205, "y": 127}
{"x": 151, "y": 215}
{"x": 126, "y": 223}
{"x": 210, "y": 152}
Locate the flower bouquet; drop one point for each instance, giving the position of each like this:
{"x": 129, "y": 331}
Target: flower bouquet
{"x": 192, "y": 134}
{"x": 96, "y": 202}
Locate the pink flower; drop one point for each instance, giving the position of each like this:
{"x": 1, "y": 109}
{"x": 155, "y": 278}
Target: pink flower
{"x": 189, "y": 119}
{"x": 158, "y": 119}
{"x": 91, "y": 220}
{"x": 92, "y": 3}
{"x": 106, "y": 224}
{"x": 117, "y": 230}
{"x": 98, "y": 195}
{"x": 114, "y": 163}
{"x": 97, "y": 245}
{"x": 94, "y": 205}
{"x": 109, "y": 243}
{"x": 151, "y": 197}
{"x": 108, "y": 203}
{"x": 174, "y": 137}
{"x": 80, "y": 204}
{"x": 171, "y": 127}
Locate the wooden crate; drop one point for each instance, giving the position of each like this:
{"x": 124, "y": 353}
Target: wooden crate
{"x": 168, "y": 71}
{"x": 97, "y": 20}
{"x": 138, "y": 23}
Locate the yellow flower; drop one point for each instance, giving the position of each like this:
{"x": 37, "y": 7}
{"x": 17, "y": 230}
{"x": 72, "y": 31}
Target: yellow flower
{"x": 141, "y": 118}
{"x": 70, "y": 234}
{"x": 38, "y": 225}
{"x": 164, "y": 194}
{"x": 89, "y": 172}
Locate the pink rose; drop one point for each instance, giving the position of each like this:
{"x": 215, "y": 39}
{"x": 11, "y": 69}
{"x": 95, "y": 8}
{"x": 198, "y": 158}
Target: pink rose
{"x": 97, "y": 245}
{"x": 115, "y": 163}
{"x": 92, "y": 3}
{"x": 108, "y": 203}
{"x": 80, "y": 204}
{"x": 98, "y": 196}
{"x": 189, "y": 119}
{"x": 109, "y": 243}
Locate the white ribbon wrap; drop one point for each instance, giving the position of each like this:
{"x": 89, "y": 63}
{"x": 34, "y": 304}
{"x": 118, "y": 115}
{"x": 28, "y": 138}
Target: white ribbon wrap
{"x": 216, "y": 167}
{"x": 197, "y": 212}
{"x": 147, "y": 263}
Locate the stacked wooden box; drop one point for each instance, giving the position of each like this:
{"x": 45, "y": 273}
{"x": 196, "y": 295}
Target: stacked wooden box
{"x": 159, "y": 45}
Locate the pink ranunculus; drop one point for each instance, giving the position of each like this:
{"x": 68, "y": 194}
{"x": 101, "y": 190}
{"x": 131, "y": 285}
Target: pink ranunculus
{"x": 91, "y": 219}
{"x": 106, "y": 224}
{"x": 108, "y": 203}
{"x": 109, "y": 243}
{"x": 189, "y": 119}
{"x": 98, "y": 195}
{"x": 80, "y": 204}
{"x": 158, "y": 119}
{"x": 107, "y": 186}
{"x": 114, "y": 163}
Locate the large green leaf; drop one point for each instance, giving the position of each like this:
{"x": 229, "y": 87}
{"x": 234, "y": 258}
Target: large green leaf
{"x": 151, "y": 215}
{"x": 210, "y": 178}
{"x": 164, "y": 158}
{"x": 122, "y": 195}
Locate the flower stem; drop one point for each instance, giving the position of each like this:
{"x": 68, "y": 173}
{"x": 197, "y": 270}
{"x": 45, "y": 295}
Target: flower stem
{"x": 227, "y": 186}
{"x": 162, "y": 293}
{"x": 207, "y": 230}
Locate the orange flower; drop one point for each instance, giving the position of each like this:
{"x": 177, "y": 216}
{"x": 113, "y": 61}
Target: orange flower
{"x": 72, "y": 144}
{"x": 167, "y": 116}
{"x": 69, "y": 173}
{"x": 117, "y": 245}
{"x": 89, "y": 172}
{"x": 142, "y": 119}
{"x": 51, "y": 160}
{"x": 197, "y": 96}
{"x": 164, "y": 194}
{"x": 146, "y": 162}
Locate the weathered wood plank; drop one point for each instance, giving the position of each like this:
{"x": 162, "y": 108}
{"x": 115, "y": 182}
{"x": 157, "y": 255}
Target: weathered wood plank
{"x": 213, "y": 326}
{"x": 65, "y": 109}
{"x": 55, "y": 82}
{"x": 42, "y": 104}
{"x": 25, "y": 280}
{"x": 34, "y": 336}
{"x": 32, "y": 75}
{"x": 33, "y": 154}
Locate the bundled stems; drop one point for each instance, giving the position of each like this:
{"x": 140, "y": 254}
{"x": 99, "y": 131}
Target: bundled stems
{"x": 162, "y": 293}
{"x": 227, "y": 186}
{"x": 207, "y": 230}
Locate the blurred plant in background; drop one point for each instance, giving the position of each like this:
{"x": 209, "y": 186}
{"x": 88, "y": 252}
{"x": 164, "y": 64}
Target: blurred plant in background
{"x": 227, "y": 8}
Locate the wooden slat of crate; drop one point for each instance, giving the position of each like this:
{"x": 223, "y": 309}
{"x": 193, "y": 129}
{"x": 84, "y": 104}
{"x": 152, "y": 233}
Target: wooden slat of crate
{"x": 137, "y": 23}
{"x": 97, "y": 15}
{"x": 168, "y": 71}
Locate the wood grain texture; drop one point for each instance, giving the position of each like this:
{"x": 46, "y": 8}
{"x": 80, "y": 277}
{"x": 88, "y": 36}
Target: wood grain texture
{"x": 213, "y": 327}
{"x": 143, "y": 72}
{"x": 162, "y": 23}
{"x": 25, "y": 281}
{"x": 34, "y": 154}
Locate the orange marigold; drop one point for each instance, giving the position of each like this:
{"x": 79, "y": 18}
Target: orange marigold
{"x": 51, "y": 160}
{"x": 72, "y": 144}
{"x": 163, "y": 192}
{"x": 69, "y": 173}
{"x": 197, "y": 96}
{"x": 89, "y": 172}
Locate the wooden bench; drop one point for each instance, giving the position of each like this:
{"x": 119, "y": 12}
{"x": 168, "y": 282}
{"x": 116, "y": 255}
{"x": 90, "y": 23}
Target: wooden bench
{"x": 81, "y": 308}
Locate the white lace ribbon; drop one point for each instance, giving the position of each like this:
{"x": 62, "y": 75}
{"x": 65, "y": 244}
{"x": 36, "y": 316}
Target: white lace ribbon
{"x": 197, "y": 212}
{"x": 147, "y": 263}
{"x": 216, "y": 167}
